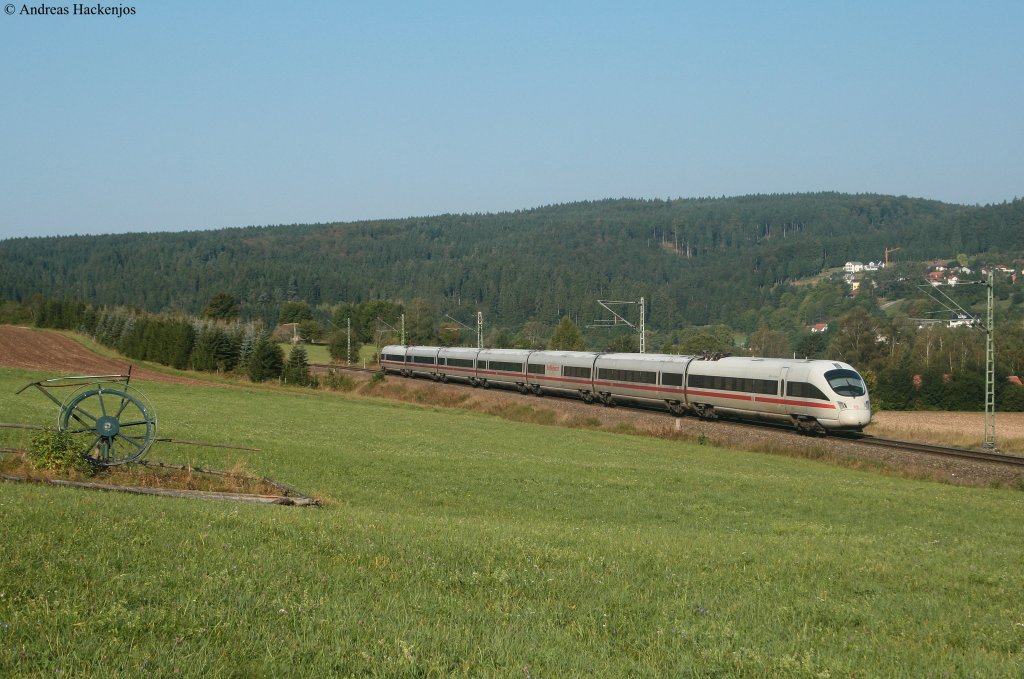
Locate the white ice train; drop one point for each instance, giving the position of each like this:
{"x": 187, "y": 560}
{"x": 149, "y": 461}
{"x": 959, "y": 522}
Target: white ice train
{"x": 813, "y": 395}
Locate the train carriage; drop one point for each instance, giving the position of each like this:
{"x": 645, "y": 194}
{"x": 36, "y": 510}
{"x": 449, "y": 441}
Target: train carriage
{"x": 745, "y": 387}
{"x": 392, "y": 359}
{"x": 458, "y": 363}
{"x": 639, "y": 377}
{"x": 562, "y": 371}
{"x": 502, "y": 366}
{"x": 807, "y": 393}
{"x": 421, "y": 361}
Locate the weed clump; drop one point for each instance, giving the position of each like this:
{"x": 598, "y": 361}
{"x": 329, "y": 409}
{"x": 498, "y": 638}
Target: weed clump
{"x": 58, "y": 451}
{"x": 332, "y": 381}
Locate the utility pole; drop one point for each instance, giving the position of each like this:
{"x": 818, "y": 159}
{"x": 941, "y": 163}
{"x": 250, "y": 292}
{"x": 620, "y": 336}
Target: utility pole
{"x": 348, "y": 354}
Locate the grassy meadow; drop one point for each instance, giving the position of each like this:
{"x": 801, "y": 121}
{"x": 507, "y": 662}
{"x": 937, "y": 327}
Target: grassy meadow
{"x": 456, "y": 543}
{"x": 320, "y": 353}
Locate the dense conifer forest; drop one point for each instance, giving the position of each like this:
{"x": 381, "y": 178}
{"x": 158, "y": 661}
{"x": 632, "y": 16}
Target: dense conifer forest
{"x": 697, "y": 261}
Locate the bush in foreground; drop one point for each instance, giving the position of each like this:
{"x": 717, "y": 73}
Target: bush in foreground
{"x": 58, "y": 451}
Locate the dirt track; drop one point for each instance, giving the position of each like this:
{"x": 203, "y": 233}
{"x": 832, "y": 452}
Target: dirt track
{"x": 49, "y": 352}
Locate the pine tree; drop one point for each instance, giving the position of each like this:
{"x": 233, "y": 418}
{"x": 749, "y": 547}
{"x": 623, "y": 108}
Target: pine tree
{"x": 337, "y": 345}
{"x": 222, "y": 306}
{"x": 266, "y": 361}
{"x": 567, "y": 336}
{"x": 296, "y": 371}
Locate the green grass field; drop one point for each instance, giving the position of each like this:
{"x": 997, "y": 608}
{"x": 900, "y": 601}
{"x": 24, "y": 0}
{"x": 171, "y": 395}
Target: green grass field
{"x": 455, "y": 543}
{"x": 319, "y": 353}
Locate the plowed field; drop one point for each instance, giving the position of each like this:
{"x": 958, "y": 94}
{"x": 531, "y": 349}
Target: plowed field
{"x": 50, "y": 352}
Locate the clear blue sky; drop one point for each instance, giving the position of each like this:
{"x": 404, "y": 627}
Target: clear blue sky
{"x": 195, "y": 115}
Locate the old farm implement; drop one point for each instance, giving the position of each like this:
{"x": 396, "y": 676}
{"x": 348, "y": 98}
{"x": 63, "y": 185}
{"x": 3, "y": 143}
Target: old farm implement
{"x": 113, "y": 420}
{"x": 113, "y": 423}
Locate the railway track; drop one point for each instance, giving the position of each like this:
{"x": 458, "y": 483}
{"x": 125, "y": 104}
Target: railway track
{"x": 931, "y": 449}
{"x": 323, "y": 368}
{"x": 865, "y": 439}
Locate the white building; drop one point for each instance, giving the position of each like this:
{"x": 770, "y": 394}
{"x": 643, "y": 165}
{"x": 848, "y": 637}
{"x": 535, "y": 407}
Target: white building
{"x": 853, "y": 267}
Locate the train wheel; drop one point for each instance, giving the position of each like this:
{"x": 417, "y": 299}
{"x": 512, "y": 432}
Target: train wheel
{"x": 535, "y": 388}
{"x": 705, "y": 411}
{"x": 607, "y": 400}
{"x": 808, "y": 425}
{"x": 587, "y": 396}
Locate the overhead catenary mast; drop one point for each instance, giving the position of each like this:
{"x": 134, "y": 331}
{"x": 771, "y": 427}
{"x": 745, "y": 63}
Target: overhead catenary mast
{"x": 479, "y": 327}
{"x": 989, "y": 326}
{"x": 381, "y": 321}
{"x": 617, "y": 319}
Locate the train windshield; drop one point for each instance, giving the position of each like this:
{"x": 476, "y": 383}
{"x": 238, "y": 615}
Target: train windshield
{"x": 845, "y": 382}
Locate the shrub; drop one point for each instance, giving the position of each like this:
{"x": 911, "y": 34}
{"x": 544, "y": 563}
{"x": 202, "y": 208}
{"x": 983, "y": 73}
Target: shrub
{"x": 58, "y": 451}
{"x": 1013, "y": 399}
{"x": 335, "y": 382}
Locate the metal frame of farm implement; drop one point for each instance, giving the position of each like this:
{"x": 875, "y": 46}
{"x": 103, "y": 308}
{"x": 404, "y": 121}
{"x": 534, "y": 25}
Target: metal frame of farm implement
{"x": 116, "y": 417}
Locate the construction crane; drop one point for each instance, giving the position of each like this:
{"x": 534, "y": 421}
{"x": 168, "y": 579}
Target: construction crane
{"x": 887, "y": 251}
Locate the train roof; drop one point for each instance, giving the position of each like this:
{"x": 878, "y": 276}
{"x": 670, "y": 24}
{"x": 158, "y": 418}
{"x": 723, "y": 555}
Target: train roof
{"x": 507, "y": 352}
{"x": 649, "y": 358}
{"x": 777, "y": 362}
{"x": 560, "y": 353}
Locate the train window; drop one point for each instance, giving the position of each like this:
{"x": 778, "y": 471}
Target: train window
{"x": 575, "y": 371}
{"x": 506, "y": 366}
{"x": 744, "y": 384}
{"x": 394, "y": 357}
{"x": 641, "y": 376}
{"x": 535, "y": 368}
{"x": 672, "y": 379}
{"x": 460, "y": 362}
{"x": 804, "y": 390}
{"x": 427, "y": 360}
{"x": 845, "y": 382}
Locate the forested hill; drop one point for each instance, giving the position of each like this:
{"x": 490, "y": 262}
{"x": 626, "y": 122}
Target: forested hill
{"x": 696, "y": 260}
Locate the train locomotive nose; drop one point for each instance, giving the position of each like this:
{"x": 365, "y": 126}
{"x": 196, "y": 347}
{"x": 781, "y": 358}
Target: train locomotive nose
{"x": 855, "y": 417}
